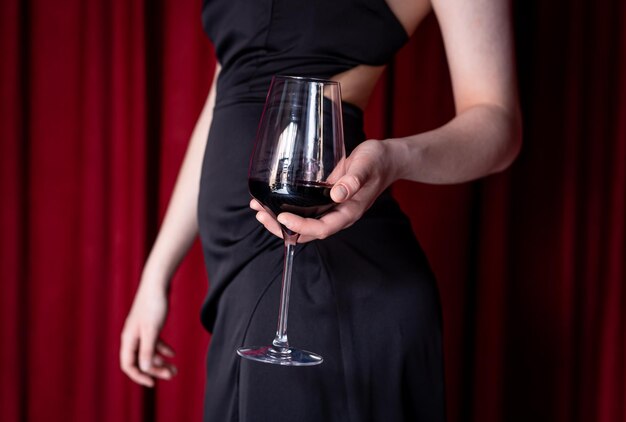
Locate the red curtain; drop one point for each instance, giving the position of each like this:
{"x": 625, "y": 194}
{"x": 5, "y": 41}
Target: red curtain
{"x": 97, "y": 101}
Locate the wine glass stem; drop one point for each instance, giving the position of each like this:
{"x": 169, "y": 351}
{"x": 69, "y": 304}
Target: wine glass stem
{"x": 280, "y": 341}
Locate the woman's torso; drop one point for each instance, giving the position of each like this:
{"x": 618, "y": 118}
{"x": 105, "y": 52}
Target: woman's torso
{"x": 254, "y": 40}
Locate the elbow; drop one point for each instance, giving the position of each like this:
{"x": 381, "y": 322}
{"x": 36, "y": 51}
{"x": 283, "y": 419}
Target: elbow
{"x": 510, "y": 150}
{"x": 511, "y": 140}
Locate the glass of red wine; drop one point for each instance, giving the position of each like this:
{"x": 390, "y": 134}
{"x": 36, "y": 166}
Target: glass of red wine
{"x": 299, "y": 153}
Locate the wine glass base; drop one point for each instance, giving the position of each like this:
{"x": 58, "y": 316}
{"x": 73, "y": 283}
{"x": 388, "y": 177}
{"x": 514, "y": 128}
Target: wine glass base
{"x": 289, "y": 357}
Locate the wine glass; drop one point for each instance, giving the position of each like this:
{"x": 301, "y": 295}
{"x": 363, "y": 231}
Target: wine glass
{"x": 299, "y": 153}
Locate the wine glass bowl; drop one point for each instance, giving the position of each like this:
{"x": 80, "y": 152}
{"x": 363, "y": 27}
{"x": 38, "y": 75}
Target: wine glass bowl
{"x": 298, "y": 153}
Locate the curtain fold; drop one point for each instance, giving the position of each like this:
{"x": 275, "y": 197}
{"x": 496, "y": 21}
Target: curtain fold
{"x": 97, "y": 102}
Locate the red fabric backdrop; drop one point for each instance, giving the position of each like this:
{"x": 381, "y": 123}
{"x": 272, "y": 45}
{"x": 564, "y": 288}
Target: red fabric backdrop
{"x": 97, "y": 100}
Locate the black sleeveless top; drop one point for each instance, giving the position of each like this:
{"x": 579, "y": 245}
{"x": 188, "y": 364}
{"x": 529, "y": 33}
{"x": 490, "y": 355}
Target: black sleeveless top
{"x": 256, "y": 39}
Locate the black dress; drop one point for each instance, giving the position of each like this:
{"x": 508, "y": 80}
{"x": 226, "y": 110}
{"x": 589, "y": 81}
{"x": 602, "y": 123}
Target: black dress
{"x": 365, "y": 298}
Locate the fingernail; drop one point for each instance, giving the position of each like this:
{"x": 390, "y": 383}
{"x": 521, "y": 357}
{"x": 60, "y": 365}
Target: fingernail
{"x": 341, "y": 192}
{"x": 283, "y": 220}
{"x": 144, "y": 365}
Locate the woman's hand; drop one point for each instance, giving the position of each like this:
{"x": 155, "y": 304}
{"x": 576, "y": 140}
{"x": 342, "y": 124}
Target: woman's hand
{"x": 369, "y": 170}
{"x": 143, "y": 356}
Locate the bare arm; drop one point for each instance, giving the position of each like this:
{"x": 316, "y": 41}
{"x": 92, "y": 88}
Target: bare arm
{"x": 142, "y": 354}
{"x": 180, "y": 224}
{"x": 483, "y": 138}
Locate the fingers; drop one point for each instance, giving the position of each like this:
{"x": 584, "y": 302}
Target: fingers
{"x": 266, "y": 219}
{"x": 341, "y": 217}
{"x": 146, "y": 349}
{"x": 128, "y": 360}
{"x": 165, "y": 349}
{"x": 305, "y": 227}
{"x": 149, "y": 362}
{"x": 354, "y": 191}
{"x": 151, "y": 359}
{"x": 162, "y": 369}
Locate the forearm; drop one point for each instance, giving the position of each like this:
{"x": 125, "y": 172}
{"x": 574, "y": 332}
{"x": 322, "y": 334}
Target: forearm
{"x": 180, "y": 224}
{"x": 481, "y": 140}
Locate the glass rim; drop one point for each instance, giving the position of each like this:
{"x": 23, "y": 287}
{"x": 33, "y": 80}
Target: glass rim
{"x": 305, "y": 79}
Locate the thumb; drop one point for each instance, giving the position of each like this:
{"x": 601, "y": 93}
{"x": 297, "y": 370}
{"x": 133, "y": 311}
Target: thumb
{"x": 146, "y": 349}
{"x": 349, "y": 184}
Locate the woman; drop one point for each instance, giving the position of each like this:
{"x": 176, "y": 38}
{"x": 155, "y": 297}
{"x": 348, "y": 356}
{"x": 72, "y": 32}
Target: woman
{"x": 363, "y": 295}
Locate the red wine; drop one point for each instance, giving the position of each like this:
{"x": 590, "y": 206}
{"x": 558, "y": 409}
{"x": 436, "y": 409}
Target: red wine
{"x": 306, "y": 199}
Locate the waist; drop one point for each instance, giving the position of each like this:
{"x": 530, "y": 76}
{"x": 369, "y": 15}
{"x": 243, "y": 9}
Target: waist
{"x": 238, "y": 107}
{"x": 248, "y": 79}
